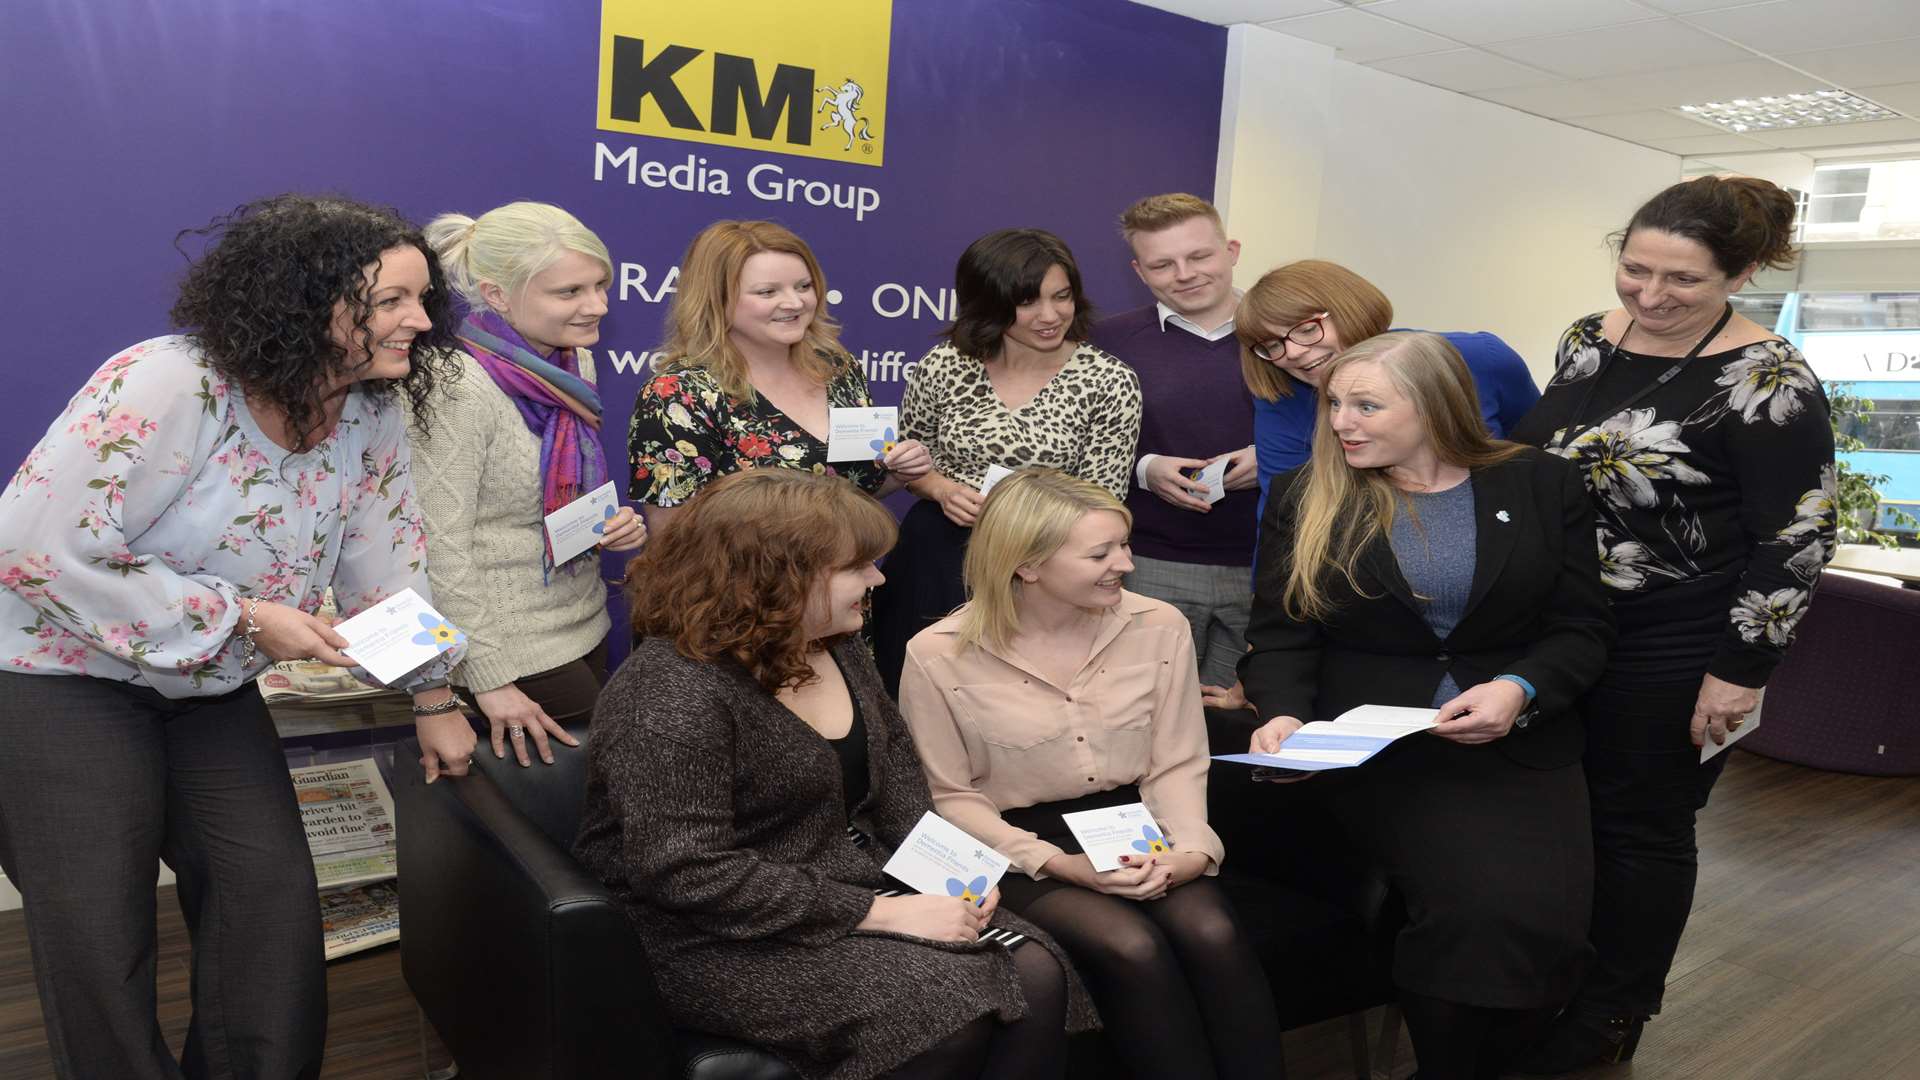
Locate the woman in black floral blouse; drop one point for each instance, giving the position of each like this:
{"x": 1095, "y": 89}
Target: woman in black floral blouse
{"x": 1705, "y": 443}
{"x": 754, "y": 368}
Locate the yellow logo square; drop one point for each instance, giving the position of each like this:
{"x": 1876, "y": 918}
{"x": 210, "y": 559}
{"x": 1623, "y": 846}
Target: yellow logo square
{"x": 789, "y": 79}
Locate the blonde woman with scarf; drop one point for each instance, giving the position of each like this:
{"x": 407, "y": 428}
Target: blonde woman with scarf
{"x": 515, "y": 438}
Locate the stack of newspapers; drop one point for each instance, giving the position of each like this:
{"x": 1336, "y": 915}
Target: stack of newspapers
{"x": 348, "y": 815}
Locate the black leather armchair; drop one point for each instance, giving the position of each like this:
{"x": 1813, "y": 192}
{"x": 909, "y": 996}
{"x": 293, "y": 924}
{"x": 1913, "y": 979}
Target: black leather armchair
{"x": 1320, "y": 920}
{"x": 519, "y": 957}
{"x": 529, "y": 971}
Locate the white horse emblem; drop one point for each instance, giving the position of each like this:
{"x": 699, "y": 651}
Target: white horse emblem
{"x": 845, "y": 103}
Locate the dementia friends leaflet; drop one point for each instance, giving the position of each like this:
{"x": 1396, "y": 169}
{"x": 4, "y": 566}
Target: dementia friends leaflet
{"x": 1345, "y": 741}
{"x": 938, "y": 859}
{"x": 582, "y": 523}
{"x": 397, "y": 635}
{"x": 864, "y": 434}
{"x": 1113, "y": 831}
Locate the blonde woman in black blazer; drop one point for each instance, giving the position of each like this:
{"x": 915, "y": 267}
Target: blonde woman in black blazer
{"x": 1416, "y": 561}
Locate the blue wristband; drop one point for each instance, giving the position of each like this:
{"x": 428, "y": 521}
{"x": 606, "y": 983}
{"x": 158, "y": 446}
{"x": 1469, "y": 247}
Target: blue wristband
{"x": 1522, "y": 684}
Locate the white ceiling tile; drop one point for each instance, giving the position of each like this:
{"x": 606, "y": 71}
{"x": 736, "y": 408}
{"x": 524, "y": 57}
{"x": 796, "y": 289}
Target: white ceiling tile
{"x": 1228, "y": 12}
{"x": 1623, "y": 50}
{"x": 1707, "y": 144}
{"x": 1476, "y": 22}
{"x": 1360, "y": 37}
{"x": 1824, "y": 136}
{"x": 1902, "y": 96}
{"x": 1559, "y": 101}
{"x": 1861, "y": 65}
{"x": 1643, "y": 124}
{"x": 1656, "y": 90}
{"x": 1465, "y": 70}
{"x": 1709, "y": 82}
{"x": 1689, "y": 7}
{"x": 1798, "y": 25}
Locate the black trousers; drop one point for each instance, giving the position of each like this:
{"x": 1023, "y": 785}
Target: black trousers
{"x": 101, "y": 780}
{"x": 1647, "y": 785}
{"x": 924, "y": 584}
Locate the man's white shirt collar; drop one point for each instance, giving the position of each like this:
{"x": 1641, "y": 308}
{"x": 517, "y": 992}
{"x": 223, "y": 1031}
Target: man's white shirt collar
{"x": 1168, "y": 315}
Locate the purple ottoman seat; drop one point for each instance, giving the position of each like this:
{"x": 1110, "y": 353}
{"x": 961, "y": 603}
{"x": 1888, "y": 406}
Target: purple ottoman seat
{"x": 1847, "y": 697}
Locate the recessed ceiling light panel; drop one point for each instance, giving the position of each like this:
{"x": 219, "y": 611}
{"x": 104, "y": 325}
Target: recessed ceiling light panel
{"x": 1774, "y": 111}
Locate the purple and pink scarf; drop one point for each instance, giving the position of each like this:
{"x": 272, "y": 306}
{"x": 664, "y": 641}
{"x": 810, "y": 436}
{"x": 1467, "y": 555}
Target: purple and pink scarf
{"x": 558, "y": 405}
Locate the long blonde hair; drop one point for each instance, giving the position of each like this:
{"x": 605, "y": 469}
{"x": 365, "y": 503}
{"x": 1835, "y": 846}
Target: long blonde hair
{"x": 1026, "y": 518}
{"x": 1340, "y": 510}
{"x": 702, "y": 310}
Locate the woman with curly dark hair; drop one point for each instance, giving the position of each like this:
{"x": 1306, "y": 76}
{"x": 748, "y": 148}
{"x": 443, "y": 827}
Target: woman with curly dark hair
{"x": 748, "y": 778}
{"x": 171, "y": 535}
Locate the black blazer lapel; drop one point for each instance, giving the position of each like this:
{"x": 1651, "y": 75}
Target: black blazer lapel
{"x": 1378, "y": 564}
{"x": 1500, "y": 507}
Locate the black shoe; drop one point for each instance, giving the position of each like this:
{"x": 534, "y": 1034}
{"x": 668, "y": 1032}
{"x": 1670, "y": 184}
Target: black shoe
{"x": 1577, "y": 1041}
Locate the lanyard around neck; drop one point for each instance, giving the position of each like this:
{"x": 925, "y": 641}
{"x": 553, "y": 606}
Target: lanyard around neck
{"x": 1575, "y": 428}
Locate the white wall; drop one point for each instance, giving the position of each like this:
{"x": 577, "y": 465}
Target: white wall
{"x": 1469, "y": 215}
{"x": 1268, "y": 177}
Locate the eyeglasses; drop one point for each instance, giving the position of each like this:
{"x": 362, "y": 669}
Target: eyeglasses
{"x": 1306, "y": 332}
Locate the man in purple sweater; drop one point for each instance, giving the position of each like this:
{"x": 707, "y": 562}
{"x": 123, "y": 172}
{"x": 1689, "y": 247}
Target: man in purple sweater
{"x": 1192, "y": 553}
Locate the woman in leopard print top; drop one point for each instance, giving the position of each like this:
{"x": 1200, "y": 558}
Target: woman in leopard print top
{"x": 1014, "y": 385}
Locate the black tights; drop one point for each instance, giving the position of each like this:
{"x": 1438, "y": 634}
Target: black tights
{"x": 1453, "y": 1041}
{"x": 1034, "y": 1045}
{"x": 1179, "y": 990}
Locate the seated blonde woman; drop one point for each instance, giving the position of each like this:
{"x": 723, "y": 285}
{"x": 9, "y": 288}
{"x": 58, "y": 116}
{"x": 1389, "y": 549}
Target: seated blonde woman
{"x": 1055, "y": 690}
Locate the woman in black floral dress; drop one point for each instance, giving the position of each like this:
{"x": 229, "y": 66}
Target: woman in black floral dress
{"x": 754, "y": 368}
{"x": 1705, "y": 443}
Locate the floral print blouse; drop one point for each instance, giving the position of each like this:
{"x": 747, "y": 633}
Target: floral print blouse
{"x": 155, "y": 503}
{"x": 686, "y": 432}
{"x": 1715, "y": 496}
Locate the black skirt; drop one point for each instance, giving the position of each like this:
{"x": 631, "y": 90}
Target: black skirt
{"x": 1047, "y": 821}
{"x": 1494, "y": 861}
{"x": 924, "y": 584}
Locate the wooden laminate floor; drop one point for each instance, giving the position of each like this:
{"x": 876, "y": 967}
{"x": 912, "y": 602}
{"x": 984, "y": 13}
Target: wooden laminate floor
{"x": 1802, "y": 961}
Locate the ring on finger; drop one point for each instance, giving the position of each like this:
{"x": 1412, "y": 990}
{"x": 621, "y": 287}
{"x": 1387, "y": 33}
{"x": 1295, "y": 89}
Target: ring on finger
{"x": 516, "y": 731}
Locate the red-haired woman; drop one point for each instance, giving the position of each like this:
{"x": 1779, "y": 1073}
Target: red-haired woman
{"x": 752, "y": 370}
{"x": 749, "y": 777}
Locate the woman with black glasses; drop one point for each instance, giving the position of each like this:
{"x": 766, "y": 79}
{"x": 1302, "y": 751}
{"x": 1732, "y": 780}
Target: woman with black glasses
{"x": 1299, "y": 316}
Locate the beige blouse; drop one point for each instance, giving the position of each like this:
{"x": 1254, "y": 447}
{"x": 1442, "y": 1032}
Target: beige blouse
{"x": 994, "y": 733}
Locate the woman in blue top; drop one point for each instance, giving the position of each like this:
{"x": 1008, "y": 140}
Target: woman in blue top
{"x": 171, "y": 535}
{"x": 1299, "y": 316}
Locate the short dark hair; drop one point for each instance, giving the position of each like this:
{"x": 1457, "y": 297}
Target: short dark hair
{"x": 1741, "y": 220}
{"x": 259, "y": 301}
{"x": 999, "y": 272}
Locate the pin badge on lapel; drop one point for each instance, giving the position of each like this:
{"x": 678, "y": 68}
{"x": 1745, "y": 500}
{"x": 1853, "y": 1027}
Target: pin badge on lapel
{"x": 1501, "y": 516}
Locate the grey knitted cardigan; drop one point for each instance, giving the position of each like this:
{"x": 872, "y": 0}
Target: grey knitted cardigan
{"x": 715, "y": 816}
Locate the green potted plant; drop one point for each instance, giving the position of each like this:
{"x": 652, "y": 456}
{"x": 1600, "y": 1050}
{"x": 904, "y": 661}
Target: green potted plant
{"x": 1857, "y": 504}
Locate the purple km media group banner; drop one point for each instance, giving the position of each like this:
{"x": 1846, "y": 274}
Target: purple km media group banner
{"x": 889, "y": 135}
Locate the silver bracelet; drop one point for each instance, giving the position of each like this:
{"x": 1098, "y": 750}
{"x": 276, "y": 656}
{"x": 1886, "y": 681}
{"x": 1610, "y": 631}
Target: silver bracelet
{"x": 248, "y": 647}
{"x": 452, "y": 704}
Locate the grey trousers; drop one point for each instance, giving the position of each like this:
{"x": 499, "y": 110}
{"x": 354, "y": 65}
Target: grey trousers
{"x": 99, "y": 781}
{"x": 1217, "y": 600}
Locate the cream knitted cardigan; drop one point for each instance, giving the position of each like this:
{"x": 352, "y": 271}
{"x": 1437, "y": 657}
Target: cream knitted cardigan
{"x": 478, "y": 479}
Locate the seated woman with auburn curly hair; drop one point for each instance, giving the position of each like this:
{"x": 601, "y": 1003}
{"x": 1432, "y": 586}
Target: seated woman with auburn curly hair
{"x": 748, "y": 778}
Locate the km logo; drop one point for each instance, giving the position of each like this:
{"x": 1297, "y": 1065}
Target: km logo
{"x": 683, "y": 72}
